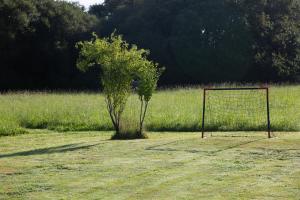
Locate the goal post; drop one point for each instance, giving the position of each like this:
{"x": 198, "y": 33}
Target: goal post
{"x": 263, "y": 101}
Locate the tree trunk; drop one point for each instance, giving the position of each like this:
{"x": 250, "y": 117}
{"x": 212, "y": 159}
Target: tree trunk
{"x": 143, "y": 112}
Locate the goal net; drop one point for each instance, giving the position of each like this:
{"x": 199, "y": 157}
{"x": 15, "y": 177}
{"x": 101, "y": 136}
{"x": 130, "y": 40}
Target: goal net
{"x": 236, "y": 109}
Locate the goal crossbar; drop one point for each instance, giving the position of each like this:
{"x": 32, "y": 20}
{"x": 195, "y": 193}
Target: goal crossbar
{"x": 266, "y": 89}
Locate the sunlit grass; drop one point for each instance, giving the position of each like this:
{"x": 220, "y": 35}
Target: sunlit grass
{"x": 170, "y": 110}
{"x": 87, "y": 165}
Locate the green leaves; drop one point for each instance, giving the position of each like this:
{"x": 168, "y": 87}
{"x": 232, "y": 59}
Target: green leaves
{"x": 212, "y": 41}
{"x": 121, "y": 64}
{"x": 275, "y": 28}
{"x": 37, "y": 39}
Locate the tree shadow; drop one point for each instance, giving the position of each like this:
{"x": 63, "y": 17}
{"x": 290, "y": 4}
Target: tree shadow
{"x": 50, "y": 150}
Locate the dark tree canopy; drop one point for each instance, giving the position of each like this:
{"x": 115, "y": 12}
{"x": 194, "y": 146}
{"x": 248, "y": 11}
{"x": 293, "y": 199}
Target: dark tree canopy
{"x": 37, "y": 39}
{"x": 212, "y": 41}
{"x": 198, "y": 41}
{"x": 275, "y": 26}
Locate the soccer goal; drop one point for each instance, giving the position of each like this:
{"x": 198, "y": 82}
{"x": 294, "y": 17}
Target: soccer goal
{"x": 236, "y": 109}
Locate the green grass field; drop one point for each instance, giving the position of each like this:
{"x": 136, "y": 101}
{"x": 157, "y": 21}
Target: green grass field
{"x": 64, "y": 156}
{"x": 87, "y": 165}
{"x": 170, "y": 110}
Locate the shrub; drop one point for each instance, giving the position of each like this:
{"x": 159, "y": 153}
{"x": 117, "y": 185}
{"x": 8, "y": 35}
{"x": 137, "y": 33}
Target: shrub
{"x": 121, "y": 64}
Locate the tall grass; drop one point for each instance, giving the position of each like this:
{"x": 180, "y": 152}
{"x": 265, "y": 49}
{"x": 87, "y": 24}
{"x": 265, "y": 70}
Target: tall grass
{"x": 170, "y": 110}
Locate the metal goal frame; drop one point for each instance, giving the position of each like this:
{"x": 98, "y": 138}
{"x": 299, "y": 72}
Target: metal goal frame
{"x": 266, "y": 89}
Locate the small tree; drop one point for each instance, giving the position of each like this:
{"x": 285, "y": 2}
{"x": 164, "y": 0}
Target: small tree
{"x": 120, "y": 64}
{"x": 148, "y": 76}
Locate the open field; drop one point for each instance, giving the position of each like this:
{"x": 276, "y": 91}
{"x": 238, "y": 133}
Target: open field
{"x": 49, "y": 165}
{"x": 170, "y": 110}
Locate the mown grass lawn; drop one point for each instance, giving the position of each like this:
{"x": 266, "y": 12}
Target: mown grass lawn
{"x": 87, "y": 165}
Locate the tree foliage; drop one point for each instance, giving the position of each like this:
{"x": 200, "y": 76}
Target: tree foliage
{"x": 275, "y": 26}
{"x": 198, "y": 41}
{"x": 121, "y": 64}
{"x": 37, "y": 39}
{"x": 212, "y": 41}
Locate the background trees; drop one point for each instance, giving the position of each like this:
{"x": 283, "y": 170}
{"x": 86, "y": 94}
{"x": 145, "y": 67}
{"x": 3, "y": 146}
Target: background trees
{"x": 214, "y": 41}
{"x": 275, "y": 27}
{"x": 198, "y": 41}
{"x": 37, "y": 43}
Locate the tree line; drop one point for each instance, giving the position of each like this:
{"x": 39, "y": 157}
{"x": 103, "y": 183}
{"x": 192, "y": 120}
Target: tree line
{"x": 198, "y": 41}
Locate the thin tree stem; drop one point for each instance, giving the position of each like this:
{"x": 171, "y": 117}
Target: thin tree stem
{"x": 141, "y": 115}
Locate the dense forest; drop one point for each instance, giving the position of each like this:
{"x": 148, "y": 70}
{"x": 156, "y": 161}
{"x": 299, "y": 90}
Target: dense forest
{"x": 197, "y": 41}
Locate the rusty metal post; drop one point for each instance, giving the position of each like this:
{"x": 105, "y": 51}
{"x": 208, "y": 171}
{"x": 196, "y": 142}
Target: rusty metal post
{"x": 203, "y": 112}
{"x": 268, "y": 114}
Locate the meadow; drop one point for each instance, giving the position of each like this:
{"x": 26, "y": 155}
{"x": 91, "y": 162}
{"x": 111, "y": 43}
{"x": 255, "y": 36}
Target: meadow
{"x": 88, "y": 165}
{"x": 69, "y": 155}
{"x": 177, "y": 109}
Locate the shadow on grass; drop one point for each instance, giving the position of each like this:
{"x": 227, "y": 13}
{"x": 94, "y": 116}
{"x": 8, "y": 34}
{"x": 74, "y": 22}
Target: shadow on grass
{"x": 50, "y": 150}
{"x": 166, "y": 149}
{"x": 238, "y": 145}
{"x": 217, "y": 127}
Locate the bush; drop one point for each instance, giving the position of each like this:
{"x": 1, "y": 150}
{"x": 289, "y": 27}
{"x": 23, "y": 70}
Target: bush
{"x": 121, "y": 65}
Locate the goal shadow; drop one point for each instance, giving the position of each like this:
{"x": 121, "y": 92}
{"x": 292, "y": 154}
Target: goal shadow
{"x": 236, "y": 134}
{"x": 204, "y": 147}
